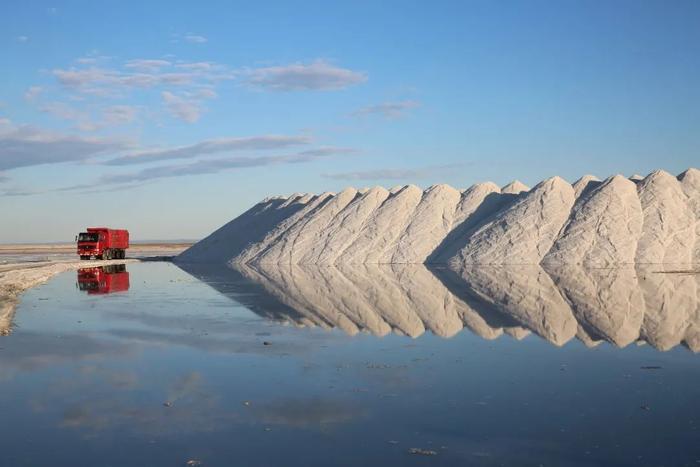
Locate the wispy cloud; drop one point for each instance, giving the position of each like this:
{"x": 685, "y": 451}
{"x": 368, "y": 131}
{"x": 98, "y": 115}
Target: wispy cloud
{"x": 387, "y": 109}
{"x": 316, "y": 76}
{"x": 209, "y": 166}
{"x": 108, "y": 117}
{"x": 112, "y": 116}
{"x": 200, "y": 167}
{"x": 214, "y": 146}
{"x": 147, "y": 65}
{"x": 103, "y": 81}
{"x": 119, "y": 114}
{"x": 195, "y": 38}
{"x": 327, "y": 151}
{"x": 201, "y": 66}
{"x": 182, "y": 86}
{"x": 138, "y": 74}
{"x": 392, "y": 174}
{"x": 188, "y": 110}
{"x": 22, "y": 38}
{"x": 17, "y": 192}
{"x": 64, "y": 111}
{"x": 28, "y": 146}
{"x": 33, "y": 92}
{"x": 92, "y": 59}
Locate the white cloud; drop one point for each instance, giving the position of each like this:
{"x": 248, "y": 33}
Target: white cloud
{"x": 195, "y": 38}
{"x": 88, "y": 79}
{"x": 201, "y": 66}
{"x": 33, "y": 92}
{"x": 22, "y": 38}
{"x": 138, "y": 74}
{"x": 147, "y": 65}
{"x": 316, "y": 76}
{"x": 387, "y": 109}
{"x": 92, "y": 59}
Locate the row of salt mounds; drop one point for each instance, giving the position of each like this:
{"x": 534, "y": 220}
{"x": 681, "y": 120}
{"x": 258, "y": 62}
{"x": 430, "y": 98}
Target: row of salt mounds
{"x": 617, "y": 221}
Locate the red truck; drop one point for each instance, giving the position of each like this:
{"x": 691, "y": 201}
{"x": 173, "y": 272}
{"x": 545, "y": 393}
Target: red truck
{"x": 103, "y": 243}
{"x": 103, "y": 280}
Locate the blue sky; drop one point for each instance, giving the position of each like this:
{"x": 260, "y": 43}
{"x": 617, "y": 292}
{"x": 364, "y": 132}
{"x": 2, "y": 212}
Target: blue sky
{"x": 171, "y": 119}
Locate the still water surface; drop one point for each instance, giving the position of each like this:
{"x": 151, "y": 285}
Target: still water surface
{"x": 154, "y": 367}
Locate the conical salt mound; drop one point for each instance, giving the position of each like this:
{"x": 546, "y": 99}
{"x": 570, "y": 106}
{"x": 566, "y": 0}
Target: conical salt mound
{"x": 515, "y": 187}
{"x": 603, "y": 228}
{"x": 668, "y": 233}
{"x": 345, "y": 228}
{"x": 524, "y": 233}
{"x": 585, "y": 185}
{"x": 430, "y": 223}
{"x": 382, "y": 229}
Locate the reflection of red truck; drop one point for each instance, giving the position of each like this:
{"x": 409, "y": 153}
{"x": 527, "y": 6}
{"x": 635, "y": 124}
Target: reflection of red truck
{"x": 103, "y": 280}
{"x": 103, "y": 243}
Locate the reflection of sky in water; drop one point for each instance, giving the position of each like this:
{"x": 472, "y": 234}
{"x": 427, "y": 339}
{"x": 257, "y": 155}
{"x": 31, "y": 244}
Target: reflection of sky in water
{"x": 84, "y": 378}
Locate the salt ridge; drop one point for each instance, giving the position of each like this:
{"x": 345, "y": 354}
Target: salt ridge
{"x": 650, "y": 220}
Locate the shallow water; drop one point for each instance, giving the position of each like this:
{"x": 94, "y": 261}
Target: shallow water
{"x": 159, "y": 368}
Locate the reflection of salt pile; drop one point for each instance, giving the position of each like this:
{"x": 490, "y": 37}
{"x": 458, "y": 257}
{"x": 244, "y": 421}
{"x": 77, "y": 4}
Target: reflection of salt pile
{"x": 654, "y": 220}
{"x": 620, "y": 306}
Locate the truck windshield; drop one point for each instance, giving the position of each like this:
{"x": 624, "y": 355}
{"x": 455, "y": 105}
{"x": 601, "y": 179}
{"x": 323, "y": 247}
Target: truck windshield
{"x": 87, "y": 237}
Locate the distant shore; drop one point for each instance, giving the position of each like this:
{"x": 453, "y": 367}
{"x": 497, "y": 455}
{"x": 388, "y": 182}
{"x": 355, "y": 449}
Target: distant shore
{"x": 38, "y": 248}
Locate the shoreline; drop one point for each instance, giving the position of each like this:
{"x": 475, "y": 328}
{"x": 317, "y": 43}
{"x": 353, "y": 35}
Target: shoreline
{"x": 25, "y": 268}
{"x": 16, "y": 278}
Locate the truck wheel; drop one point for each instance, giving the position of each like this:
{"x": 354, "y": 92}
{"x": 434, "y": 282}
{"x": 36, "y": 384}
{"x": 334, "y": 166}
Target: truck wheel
{"x": 122, "y": 254}
{"x": 108, "y": 254}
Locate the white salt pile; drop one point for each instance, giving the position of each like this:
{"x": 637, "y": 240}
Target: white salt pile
{"x": 650, "y": 220}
